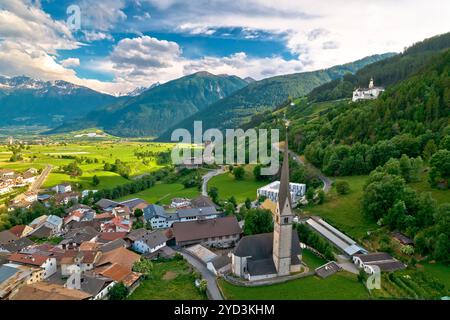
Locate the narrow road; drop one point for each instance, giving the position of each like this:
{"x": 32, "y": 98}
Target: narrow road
{"x": 213, "y": 290}
{"x": 36, "y": 185}
{"x": 207, "y": 177}
{"x": 325, "y": 180}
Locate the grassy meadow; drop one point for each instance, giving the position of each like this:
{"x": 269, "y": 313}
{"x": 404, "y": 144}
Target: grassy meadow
{"x": 228, "y": 186}
{"x": 38, "y": 156}
{"x": 171, "y": 280}
{"x": 340, "y": 286}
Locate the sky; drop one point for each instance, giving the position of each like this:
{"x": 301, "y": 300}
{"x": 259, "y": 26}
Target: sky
{"x": 114, "y": 46}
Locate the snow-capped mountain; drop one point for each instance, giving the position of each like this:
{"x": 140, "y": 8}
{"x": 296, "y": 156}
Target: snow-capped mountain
{"x": 24, "y": 100}
{"x": 138, "y": 91}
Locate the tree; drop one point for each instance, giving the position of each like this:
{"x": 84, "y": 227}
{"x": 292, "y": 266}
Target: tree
{"x": 257, "y": 173}
{"x": 258, "y": 221}
{"x": 95, "y": 180}
{"x": 342, "y": 187}
{"x": 239, "y": 173}
{"x": 248, "y": 203}
{"x": 138, "y": 213}
{"x": 118, "y": 292}
{"x": 440, "y": 168}
{"x": 429, "y": 150}
{"x": 143, "y": 266}
{"x": 213, "y": 193}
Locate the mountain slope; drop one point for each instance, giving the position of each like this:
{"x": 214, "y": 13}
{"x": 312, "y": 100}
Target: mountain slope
{"x": 150, "y": 113}
{"x": 266, "y": 94}
{"x": 385, "y": 72}
{"x": 27, "y": 101}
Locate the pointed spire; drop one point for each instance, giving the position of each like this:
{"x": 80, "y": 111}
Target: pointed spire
{"x": 284, "y": 189}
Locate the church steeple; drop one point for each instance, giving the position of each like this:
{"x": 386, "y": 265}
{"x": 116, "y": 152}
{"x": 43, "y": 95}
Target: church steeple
{"x": 284, "y": 193}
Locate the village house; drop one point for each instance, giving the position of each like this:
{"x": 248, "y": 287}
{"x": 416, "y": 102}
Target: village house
{"x": 221, "y": 232}
{"x": 62, "y": 188}
{"x": 74, "y": 238}
{"x": 47, "y": 264}
{"x": 270, "y": 191}
{"x": 7, "y": 237}
{"x": 145, "y": 241}
{"x": 117, "y": 224}
{"x": 16, "y": 246}
{"x": 14, "y": 276}
{"x": 21, "y": 230}
{"x": 84, "y": 260}
{"x": 49, "y": 291}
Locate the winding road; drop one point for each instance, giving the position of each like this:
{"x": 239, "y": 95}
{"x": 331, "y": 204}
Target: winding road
{"x": 36, "y": 185}
{"x": 207, "y": 177}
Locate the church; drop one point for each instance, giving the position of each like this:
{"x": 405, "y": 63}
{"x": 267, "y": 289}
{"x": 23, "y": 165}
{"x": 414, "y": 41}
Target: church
{"x": 275, "y": 254}
{"x": 370, "y": 93}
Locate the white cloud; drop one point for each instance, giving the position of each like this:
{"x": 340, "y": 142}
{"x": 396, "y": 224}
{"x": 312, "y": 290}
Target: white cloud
{"x": 70, "y": 62}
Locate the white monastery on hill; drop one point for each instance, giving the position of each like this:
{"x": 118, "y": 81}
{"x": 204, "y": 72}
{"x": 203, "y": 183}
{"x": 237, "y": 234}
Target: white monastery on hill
{"x": 370, "y": 93}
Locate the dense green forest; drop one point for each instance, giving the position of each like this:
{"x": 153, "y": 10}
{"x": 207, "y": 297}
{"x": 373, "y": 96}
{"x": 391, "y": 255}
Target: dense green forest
{"x": 385, "y": 72}
{"x": 266, "y": 94}
{"x": 410, "y": 118}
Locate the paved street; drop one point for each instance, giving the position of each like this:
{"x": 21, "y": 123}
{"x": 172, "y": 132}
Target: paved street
{"x": 41, "y": 179}
{"x": 207, "y": 275}
{"x": 208, "y": 177}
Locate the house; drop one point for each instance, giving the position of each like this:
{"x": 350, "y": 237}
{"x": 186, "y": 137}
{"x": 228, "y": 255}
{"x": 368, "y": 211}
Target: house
{"x": 149, "y": 241}
{"x": 16, "y": 246}
{"x": 86, "y": 193}
{"x": 46, "y": 263}
{"x": 370, "y": 93}
{"x": 180, "y": 203}
{"x": 202, "y": 202}
{"x": 14, "y": 276}
{"x": 122, "y": 212}
{"x": 84, "y": 260}
{"x": 105, "y": 237}
{"x": 134, "y": 204}
{"x": 158, "y": 217}
{"x": 74, "y": 238}
{"x": 30, "y": 196}
{"x": 106, "y": 204}
{"x": 117, "y": 264}
{"x": 81, "y": 214}
{"x": 117, "y": 224}
{"x": 49, "y": 291}
{"x": 112, "y": 245}
{"x": 38, "y": 221}
{"x": 220, "y": 231}
{"x": 197, "y": 213}
{"x": 270, "y": 191}
{"x": 54, "y": 223}
{"x": 370, "y": 262}
{"x": 65, "y": 198}
{"x": 220, "y": 265}
{"x": 21, "y": 230}
{"x": 62, "y": 188}
{"x": 28, "y": 177}
{"x": 7, "y": 237}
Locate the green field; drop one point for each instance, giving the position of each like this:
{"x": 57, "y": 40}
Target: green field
{"x": 228, "y": 186}
{"x": 341, "y": 286}
{"x": 441, "y": 196}
{"x": 311, "y": 260}
{"x": 164, "y": 193}
{"x": 439, "y": 271}
{"x": 38, "y": 156}
{"x": 344, "y": 211}
{"x": 171, "y": 280}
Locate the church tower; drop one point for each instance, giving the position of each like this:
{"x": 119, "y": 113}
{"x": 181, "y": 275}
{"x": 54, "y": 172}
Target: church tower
{"x": 282, "y": 233}
{"x": 371, "y": 84}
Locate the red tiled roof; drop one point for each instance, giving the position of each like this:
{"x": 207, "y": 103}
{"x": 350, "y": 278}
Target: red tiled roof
{"x": 17, "y": 230}
{"x": 32, "y": 259}
{"x": 111, "y": 236}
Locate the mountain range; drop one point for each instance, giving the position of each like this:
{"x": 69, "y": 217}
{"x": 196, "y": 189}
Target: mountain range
{"x": 27, "y": 101}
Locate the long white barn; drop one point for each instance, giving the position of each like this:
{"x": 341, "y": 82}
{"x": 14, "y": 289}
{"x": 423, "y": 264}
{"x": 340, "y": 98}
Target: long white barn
{"x": 270, "y": 191}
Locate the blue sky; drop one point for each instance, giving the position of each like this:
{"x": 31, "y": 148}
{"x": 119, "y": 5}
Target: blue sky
{"x": 122, "y": 44}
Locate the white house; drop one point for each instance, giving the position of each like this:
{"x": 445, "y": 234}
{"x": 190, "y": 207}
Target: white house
{"x": 48, "y": 264}
{"x": 149, "y": 242}
{"x": 30, "y": 197}
{"x": 84, "y": 260}
{"x": 270, "y": 191}
{"x": 54, "y": 223}
{"x": 369, "y": 93}
{"x": 63, "y": 188}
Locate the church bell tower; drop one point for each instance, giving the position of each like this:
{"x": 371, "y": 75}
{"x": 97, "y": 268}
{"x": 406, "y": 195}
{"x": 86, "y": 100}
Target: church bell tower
{"x": 282, "y": 233}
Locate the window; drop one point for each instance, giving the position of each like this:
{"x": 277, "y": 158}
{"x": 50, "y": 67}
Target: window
{"x": 286, "y": 220}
